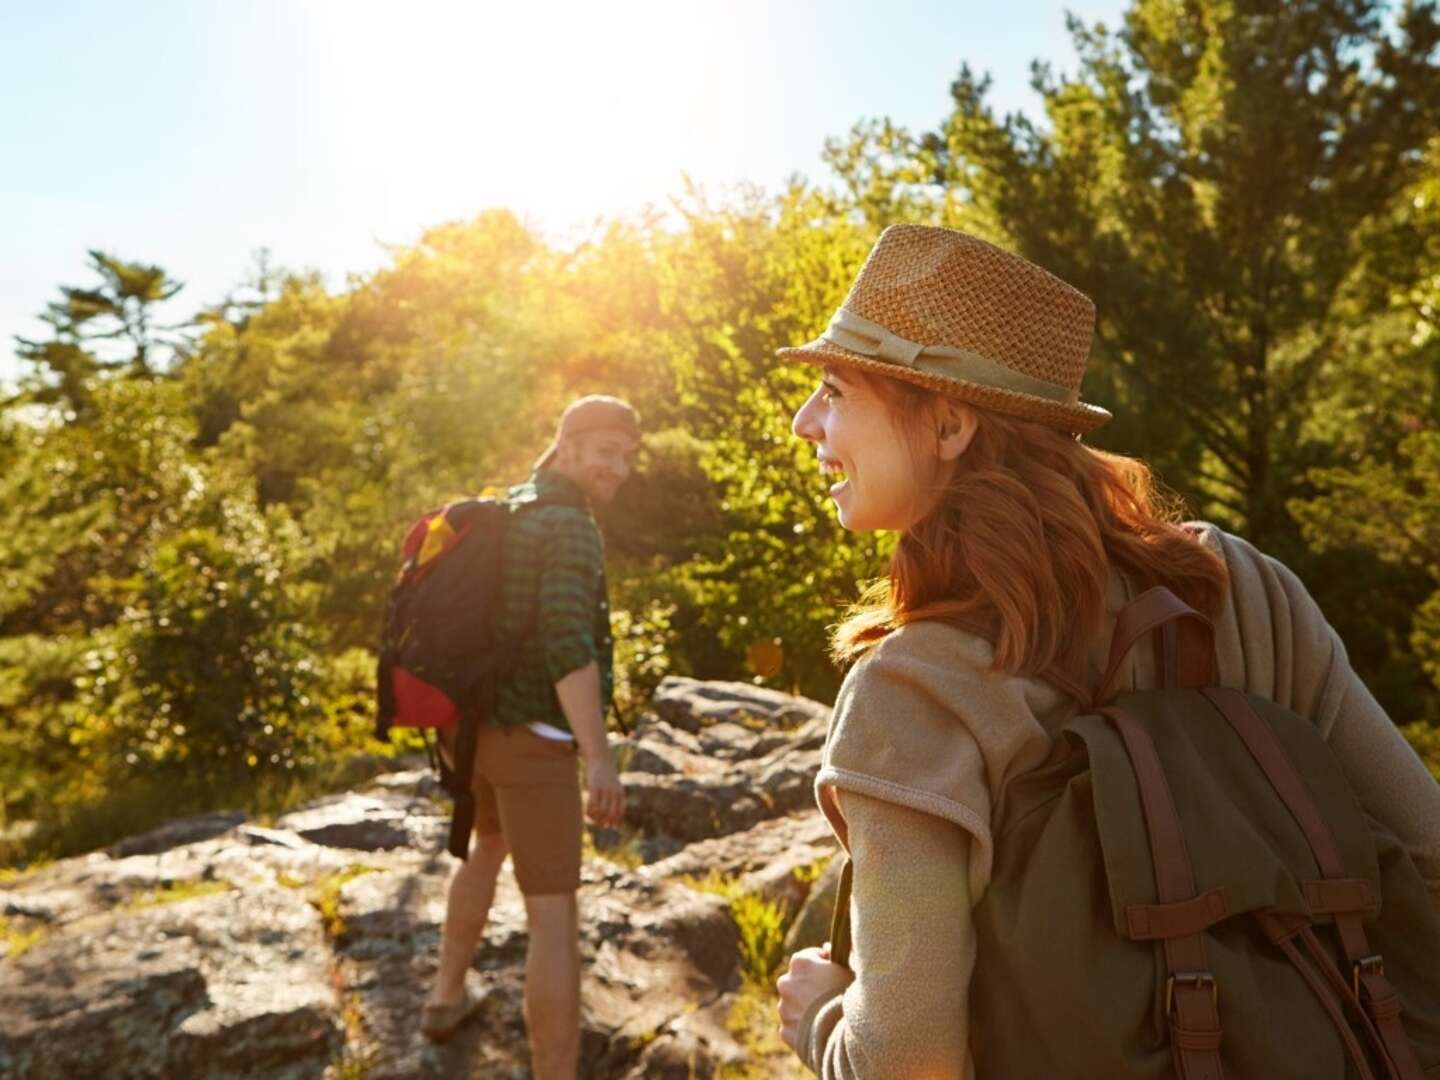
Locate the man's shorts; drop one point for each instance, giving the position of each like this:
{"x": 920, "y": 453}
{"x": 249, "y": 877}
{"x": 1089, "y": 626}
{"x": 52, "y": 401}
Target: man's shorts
{"x": 527, "y": 788}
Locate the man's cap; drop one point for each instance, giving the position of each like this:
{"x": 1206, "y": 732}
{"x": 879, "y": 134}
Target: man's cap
{"x": 594, "y": 412}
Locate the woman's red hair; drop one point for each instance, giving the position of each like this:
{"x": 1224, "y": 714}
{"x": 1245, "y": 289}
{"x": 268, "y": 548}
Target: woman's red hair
{"x": 1020, "y": 543}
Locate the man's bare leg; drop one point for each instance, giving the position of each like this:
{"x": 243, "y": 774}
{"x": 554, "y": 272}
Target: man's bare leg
{"x": 472, "y": 890}
{"x": 552, "y": 986}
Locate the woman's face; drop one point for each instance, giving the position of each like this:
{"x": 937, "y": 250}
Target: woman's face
{"x": 878, "y": 479}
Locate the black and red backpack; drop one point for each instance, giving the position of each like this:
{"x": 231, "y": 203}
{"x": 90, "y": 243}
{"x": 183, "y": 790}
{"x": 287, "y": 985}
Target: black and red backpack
{"x": 440, "y": 662}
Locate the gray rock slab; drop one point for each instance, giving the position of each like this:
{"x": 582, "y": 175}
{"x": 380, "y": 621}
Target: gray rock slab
{"x": 812, "y": 925}
{"x": 691, "y": 808}
{"x": 728, "y": 741}
{"x": 419, "y": 783}
{"x": 693, "y": 704}
{"x": 654, "y": 729}
{"x": 776, "y": 859}
{"x": 248, "y": 982}
{"x": 174, "y": 834}
{"x": 697, "y": 1044}
{"x": 378, "y": 821}
{"x": 651, "y": 755}
{"x": 219, "y": 985}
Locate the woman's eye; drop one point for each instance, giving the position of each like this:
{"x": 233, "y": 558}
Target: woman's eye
{"x": 829, "y": 391}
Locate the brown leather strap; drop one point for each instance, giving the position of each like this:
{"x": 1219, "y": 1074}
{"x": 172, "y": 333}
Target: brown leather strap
{"x": 840, "y": 917}
{"x": 1174, "y": 878}
{"x": 1186, "y": 659}
{"x": 1333, "y": 896}
{"x": 1385, "y": 1009}
{"x": 1191, "y": 994}
{"x": 1147, "y": 922}
{"x": 1269, "y": 754}
{"x": 1333, "y": 1009}
{"x": 1374, "y": 990}
{"x": 1346, "y": 993}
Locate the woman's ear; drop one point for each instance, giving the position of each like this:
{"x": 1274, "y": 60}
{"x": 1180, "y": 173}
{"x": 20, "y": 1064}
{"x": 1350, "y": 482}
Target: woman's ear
{"x": 955, "y": 427}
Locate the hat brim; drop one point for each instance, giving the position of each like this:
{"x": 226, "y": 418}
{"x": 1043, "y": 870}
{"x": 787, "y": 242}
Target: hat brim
{"x": 1077, "y": 418}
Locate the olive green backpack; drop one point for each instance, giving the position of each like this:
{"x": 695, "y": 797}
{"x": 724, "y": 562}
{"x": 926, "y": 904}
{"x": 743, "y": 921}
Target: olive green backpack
{"x": 1189, "y": 888}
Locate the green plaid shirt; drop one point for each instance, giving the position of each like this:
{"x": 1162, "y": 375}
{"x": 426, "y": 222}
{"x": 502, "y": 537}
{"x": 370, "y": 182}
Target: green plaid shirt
{"x": 552, "y": 595}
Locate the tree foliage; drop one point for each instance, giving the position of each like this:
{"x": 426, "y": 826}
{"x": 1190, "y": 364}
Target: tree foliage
{"x": 199, "y": 521}
{"x": 109, "y": 327}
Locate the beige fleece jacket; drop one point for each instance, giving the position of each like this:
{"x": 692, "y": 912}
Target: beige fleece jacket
{"x": 925, "y": 738}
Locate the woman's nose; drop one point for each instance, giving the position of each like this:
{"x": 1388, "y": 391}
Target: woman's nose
{"x": 805, "y": 425}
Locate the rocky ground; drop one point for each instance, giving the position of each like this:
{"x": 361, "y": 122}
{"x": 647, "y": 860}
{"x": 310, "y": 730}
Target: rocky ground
{"x": 302, "y": 947}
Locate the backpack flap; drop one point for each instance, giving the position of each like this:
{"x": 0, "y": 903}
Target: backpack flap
{"x": 1246, "y": 848}
{"x": 1262, "y": 833}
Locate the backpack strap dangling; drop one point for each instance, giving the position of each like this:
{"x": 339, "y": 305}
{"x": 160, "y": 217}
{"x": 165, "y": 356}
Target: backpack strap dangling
{"x": 463, "y": 821}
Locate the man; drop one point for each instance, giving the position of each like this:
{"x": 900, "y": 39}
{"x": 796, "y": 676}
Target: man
{"x": 553, "y": 704}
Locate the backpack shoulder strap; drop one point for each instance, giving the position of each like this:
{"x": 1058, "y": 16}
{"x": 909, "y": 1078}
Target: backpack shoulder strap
{"x": 1186, "y": 659}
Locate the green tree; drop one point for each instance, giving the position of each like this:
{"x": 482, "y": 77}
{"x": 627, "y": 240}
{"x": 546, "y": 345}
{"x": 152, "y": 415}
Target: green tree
{"x": 1205, "y": 176}
{"x": 109, "y": 327}
{"x": 215, "y": 664}
{"x": 80, "y": 503}
{"x": 1378, "y": 496}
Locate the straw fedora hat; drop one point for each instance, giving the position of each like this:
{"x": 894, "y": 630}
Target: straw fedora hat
{"x": 950, "y": 312}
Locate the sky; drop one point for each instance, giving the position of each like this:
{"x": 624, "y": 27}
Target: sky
{"x": 194, "y": 133}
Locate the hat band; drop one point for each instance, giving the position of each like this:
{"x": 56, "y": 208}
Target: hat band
{"x": 860, "y": 335}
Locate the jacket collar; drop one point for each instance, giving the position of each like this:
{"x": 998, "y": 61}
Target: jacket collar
{"x": 553, "y": 486}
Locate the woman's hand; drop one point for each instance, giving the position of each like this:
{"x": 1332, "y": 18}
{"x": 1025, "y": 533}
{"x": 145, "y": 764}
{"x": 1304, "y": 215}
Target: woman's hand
{"x": 811, "y": 975}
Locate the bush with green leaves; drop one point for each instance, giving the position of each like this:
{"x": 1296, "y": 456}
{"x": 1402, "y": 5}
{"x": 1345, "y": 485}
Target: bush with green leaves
{"x": 214, "y": 664}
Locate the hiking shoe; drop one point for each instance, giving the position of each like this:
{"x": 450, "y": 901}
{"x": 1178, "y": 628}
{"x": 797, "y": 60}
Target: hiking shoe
{"x": 439, "y": 1022}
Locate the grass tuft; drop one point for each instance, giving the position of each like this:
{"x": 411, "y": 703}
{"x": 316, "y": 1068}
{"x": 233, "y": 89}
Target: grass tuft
{"x": 755, "y": 1022}
{"x": 762, "y": 924}
{"x": 174, "y": 892}
{"x": 715, "y": 883}
{"x": 626, "y": 851}
{"x": 325, "y": 897}
{"x": 17, "y": 941}
{"x": 760, "y": 921}
{"x": 810, "y": 873}
{"x": 352, "y": 1063}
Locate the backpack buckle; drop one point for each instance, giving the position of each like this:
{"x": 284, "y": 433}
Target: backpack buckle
{"x": 1197, "y": 979}
{"x": 1366, "y": 965}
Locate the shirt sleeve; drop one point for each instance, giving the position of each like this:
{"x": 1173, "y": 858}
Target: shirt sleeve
{"x": 1384, "y": 771}
{"x": 569, "y": 593}
{"x": 901, "y": 733}
{"x": 1302, "y": 663}
{"x": 913, "y": 951}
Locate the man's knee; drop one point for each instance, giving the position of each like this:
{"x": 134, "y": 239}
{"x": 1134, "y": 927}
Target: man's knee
{"x": 553, "y": 917}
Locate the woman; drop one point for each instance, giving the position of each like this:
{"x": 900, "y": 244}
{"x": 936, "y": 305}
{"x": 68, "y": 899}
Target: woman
{"x": 948, "y": 410}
